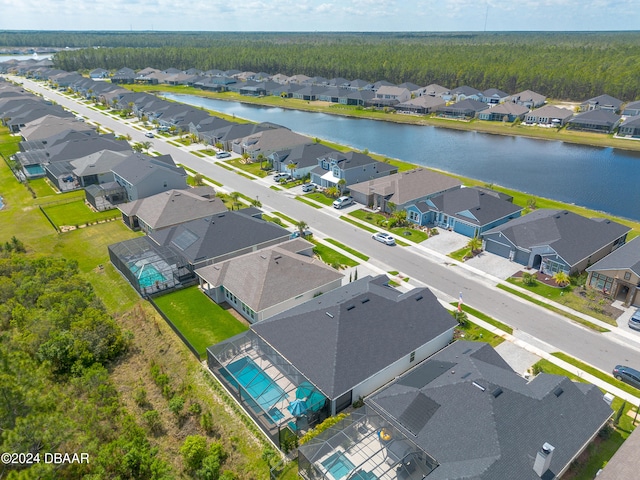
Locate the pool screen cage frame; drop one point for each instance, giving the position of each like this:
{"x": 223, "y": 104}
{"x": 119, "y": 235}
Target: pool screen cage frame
{"x": 141, "y": 251}
{"x": 249, "y": 345}
{"x": 384, "y": 451}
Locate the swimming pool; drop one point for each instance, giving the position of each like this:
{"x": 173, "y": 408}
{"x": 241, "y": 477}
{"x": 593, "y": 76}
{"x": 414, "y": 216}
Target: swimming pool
{"x": 1, "y": 204}
{"x": 147, "y": 275}
{"x": 338, "y": 465}
{"x": 34, "y": 170}
{"x": 258, "y": 384}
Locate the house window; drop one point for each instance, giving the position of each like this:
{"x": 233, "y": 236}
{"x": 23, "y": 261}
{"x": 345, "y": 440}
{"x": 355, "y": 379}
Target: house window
{"x": 601, "y": 282}
{"x": 627, "y": 275}
{"x": 412, "y": 357}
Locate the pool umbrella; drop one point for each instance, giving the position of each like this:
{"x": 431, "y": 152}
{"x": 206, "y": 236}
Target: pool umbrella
{"x": 297, "y": 408}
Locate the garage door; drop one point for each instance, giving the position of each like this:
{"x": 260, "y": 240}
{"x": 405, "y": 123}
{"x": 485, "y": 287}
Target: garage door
{"x": 497, "y": 248}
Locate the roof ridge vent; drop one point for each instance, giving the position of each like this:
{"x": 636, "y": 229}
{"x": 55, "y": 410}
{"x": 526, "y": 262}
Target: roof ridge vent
{"x": 277, "y": 257}
{"x": 364, "y": 300}
{"x": 419, "y": 297}
{"x": 329, "y": 315}
{"x": 558, "y": 391}
{"x": 351, "y": 307}
{"x": 477, "y": 385}
{"x": 497, "y": 392}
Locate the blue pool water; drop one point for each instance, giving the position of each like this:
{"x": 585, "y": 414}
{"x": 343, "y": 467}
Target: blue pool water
{"x": 34, "y": 170}
{"x": 259, "y": 385}
{"x": 338, "y": 465}
{"x": 1, "y": 203}
{"x": 147, "y": 275}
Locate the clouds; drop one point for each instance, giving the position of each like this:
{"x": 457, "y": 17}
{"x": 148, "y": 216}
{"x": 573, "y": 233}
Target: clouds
{"x": 321, "y": 15}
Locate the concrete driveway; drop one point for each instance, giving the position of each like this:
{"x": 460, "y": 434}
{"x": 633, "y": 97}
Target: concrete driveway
{"x": 494, "y": 265}
{"x": 446, "y": 242}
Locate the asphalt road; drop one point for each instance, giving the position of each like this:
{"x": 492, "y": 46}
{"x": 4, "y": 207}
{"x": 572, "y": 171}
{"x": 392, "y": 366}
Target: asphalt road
{"x": 553, "y": 332}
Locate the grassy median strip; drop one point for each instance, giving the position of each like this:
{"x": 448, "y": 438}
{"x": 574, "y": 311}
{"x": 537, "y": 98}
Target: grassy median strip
{"x": 575, "y": 318}
{"x": 486, "y": 318}
{"x": 357, "y": 224}
{"x": 353, "y": 252}
{"x": 285, "y": 218}
{"x": 311, "y": 204}
{"x": 598, "y": 374}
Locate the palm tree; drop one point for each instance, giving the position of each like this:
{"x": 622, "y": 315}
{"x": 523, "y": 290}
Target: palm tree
{"x": 198, "y": 179}
{"x": 146, "y": 146}
{"x": 301, "y": 226}
{"x": 561, "y": 278}
{"x": 475, "y": 245}
{"x": 341, "y": 183}
{"x": 235, "y": 196}
{"x": 261, "y": 158}
{"x": 292, "y": 168}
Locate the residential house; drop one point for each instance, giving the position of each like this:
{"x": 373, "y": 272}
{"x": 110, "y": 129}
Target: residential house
{"x": 402, "y": 189}
{"x": 423, "y": 105}
{"x": 632, "y": 109}
{"x": 390, "y": 95}
{"x": 555, "y": 240}
{"x": 261, "y": 284}
{"x": 468, "y": 211}
{"x": 465, "y": 92}
{"x": 622, "y": 464}
{"x": 462, "y": 110}
{"x": 167, "y": 258}
{"x": 302, "y": 158}
{"x": 51, "y": 125}
{"x": 96, "y": 168}
{"x": 219, "y": 237}
{"x": 598, "y": 120}
{"x": 528, "y": 99}
{"x": 618, "y": 274}
{"x": 171, "y": 208}
{"x": 267, "y": 142}
{"x": 352, "y": 167}
{"x": 630, "y": 127}
{"x": 309, "y": 93}
{"x": 601, "y": 102}
{"x": 359, "y": 84}
{"x": 494, "y": 96}
{"x": 435, "y": 90}
{"x": 415, "y": 90}
{"x": 549, "y": 115}
{"x": 143, "y": 176}
{"x": 504, "y": 112}
{"x": 226, "y": 135}
{"x": 329, "y": 351}
{"x": 124, "y": 75}
{"x": 298, "y": 79}
{"x": 464, "y": 413}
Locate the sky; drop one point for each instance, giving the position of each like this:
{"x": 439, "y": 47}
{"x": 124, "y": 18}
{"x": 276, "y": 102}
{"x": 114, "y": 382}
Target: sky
{"x": 321, "y": 15}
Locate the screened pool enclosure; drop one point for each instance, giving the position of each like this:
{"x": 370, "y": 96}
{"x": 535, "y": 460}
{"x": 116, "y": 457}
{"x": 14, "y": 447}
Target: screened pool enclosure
{"x": 363, "y": 446}
{"x": 272, "y": 391}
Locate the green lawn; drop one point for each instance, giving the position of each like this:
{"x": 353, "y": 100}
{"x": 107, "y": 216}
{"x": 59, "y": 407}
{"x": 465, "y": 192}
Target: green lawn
{"x": 331, "y": 257}
{"x": 252, "y": 168}
{"x": 486, "y": 318}
{"x": 41, "y": 188}
{"x": 285, "y": 218}
{"x": 353, "y": 252}
{"x": 320, "y": 198}
{"x": 575, "y": 318}
{"x": 199, "y": 319}
{"x": 304, "y": 200}
{"x": 461, "y": 254}
{"x": 565, "y": 296}
{"x": 76, "y": 213}
{"x": 412, "y": 234}
{"x": 475, "y": 333}
{"x": 369, "y": 217}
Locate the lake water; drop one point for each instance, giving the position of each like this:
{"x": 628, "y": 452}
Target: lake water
{"x": 604, "y": 179}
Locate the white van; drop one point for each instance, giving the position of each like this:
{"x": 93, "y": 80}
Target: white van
{"x": 342, "y": 202}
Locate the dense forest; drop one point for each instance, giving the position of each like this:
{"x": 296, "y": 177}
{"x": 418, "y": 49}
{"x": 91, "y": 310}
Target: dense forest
{"x": 574, "y": 66}
{"x": 57, "y": 344}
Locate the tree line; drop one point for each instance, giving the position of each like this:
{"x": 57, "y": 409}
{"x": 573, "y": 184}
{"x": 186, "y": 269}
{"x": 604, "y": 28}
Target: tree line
{"x": 572, "y": 66}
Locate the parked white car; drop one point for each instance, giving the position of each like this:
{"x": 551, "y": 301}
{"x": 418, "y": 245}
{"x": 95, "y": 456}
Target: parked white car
{"x": 342, "y": 202}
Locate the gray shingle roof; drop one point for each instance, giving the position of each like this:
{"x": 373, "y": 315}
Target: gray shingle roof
{"x": 480, "y": 420}
{"x": 596, "y": 117}
{"x": 403, "y": 187}
{"x": 626, "y": 257}
{"x": 222, "y": 234}
{"x": 172, "y": 207}
{"x": 138, "y": 166}
{"x": 303, "y": 155}
{"x": 572, "y": 236}
{"x": 473, "y": 206}
{"x": 270, "y": 276}
{"x": 345, "y": 336}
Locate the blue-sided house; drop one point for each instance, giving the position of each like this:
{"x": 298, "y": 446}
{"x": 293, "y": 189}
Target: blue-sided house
{"x": 468, "y": 211}
{"x": 555, "y": 240}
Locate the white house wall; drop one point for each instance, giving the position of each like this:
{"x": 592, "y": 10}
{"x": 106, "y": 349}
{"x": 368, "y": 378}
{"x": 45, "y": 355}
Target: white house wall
{"x": 402, "y": 365}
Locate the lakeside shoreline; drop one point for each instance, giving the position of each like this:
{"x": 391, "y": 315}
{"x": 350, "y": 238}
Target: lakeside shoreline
{"x": 596, "y": 140}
